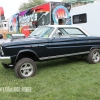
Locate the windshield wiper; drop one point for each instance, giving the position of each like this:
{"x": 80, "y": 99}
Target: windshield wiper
{"x": 35, "y": 35}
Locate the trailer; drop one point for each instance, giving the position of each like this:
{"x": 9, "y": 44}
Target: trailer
{"x": 88, "y": 17}
{"x": 45, "y": 14}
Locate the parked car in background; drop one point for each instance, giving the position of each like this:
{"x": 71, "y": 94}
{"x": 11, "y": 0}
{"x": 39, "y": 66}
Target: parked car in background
{"x": 48, "y": 42}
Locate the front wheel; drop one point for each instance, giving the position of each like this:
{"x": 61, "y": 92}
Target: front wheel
{"x": 25, "y": 68}
{"x": 94, "y": 56}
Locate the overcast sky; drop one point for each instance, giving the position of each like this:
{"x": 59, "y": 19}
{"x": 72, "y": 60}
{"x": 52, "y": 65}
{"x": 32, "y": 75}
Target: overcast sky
{"x": 11, "y": 6}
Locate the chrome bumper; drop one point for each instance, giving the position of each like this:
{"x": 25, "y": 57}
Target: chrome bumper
{"x": 5, "y": 60}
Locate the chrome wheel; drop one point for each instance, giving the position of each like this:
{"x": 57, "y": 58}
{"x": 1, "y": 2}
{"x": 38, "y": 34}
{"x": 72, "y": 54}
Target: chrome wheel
{"x": 96, "y": 56}
{"x": 26, "y": 69}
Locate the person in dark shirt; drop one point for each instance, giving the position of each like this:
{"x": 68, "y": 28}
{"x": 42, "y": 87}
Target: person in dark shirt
{"x": 60, "y": 22}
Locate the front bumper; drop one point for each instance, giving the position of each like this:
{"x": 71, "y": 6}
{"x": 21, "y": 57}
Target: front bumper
{"x": 5, "y": 60}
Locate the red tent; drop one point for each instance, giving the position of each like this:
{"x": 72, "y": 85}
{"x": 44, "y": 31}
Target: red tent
{"x": 1, "y": 11}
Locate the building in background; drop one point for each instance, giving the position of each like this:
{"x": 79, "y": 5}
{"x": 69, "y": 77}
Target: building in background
{"x": 4, "y": 27}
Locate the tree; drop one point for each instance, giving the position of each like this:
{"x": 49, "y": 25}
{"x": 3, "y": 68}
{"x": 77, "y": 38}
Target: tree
{"x": 73, "y": 1}
{"x": 30, "y": 4}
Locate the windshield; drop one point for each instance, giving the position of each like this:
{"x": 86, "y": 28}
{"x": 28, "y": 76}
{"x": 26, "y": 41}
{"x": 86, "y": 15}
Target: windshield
{"x": 43, "y": 32}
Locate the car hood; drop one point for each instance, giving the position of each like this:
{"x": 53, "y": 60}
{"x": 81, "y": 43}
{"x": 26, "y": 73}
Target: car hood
{"x": 37, "y": 40}
{"x": 28, "y": 40}
{"x": 4, "y": 41}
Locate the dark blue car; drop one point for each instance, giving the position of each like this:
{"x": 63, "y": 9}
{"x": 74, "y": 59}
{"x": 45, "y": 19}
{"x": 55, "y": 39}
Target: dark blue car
{"x": 48, "y": 42}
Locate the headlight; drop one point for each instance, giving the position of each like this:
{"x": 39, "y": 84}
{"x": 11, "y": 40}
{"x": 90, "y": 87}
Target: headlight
{"x": 1, "y": 51}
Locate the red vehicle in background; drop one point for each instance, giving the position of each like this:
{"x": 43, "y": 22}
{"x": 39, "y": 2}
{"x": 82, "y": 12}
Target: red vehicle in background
{"x": 44, "y": 14}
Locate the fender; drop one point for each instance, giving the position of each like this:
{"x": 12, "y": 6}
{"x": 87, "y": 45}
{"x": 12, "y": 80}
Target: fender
{"x": 95, "y": 47}
{"x": 26, "y": 50}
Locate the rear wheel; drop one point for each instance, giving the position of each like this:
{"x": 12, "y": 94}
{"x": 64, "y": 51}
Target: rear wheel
{"x": 25, "y": 68}
{"x": 94, "y": 56}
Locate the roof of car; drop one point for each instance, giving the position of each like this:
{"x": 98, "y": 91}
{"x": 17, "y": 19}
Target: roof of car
{"x": 73, "y": 26}
{"x": 63, "y": 26}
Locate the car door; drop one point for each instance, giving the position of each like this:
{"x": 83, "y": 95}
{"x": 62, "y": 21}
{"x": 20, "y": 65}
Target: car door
{"x": 84, "y": 44}
{"x": 62, "y": 45}
{"x": 83, "y": 41}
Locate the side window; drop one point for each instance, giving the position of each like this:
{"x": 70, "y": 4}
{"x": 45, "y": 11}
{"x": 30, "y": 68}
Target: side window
{"x": 74, "y": 32}
{"x": 60, "y": 33}
{"x": 81, "y": 18}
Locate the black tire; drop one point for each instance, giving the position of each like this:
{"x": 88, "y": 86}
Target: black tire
{"x": 94, "y": 56}
{"x": 5, "y": 65}
{"x": 25, "y": 68}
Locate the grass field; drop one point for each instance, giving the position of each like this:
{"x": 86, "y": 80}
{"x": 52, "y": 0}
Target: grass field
{"x": 60, "y": 79}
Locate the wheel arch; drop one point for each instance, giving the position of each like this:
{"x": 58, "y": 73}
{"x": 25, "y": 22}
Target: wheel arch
{"x": 27, "y": 53}
{"x": 96, "y": 47}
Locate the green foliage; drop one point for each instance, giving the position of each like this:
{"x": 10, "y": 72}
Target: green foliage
{"x": 30, "y": 4}
{"x": 60, "y": 79}
{"x": 74, "y": 1}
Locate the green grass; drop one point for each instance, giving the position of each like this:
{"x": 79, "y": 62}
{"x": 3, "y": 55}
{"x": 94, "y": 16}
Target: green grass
{"x": 60, "y": 79}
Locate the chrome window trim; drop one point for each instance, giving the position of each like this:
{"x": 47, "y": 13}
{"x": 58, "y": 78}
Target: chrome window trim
{"x": 51, "y": 35}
